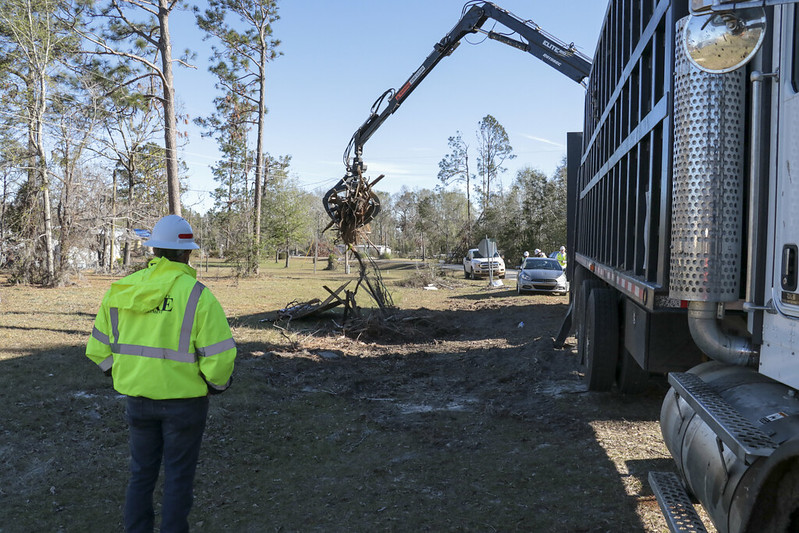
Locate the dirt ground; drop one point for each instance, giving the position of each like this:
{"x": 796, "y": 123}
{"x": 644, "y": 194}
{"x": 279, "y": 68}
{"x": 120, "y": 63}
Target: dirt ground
{"x": 501, "y": 422}
{"x": 456, "y": 414}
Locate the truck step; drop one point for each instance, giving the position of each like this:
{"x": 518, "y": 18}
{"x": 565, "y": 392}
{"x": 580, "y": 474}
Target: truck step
{"x": 677, "y": 508}
{"x": 740, "y": 435}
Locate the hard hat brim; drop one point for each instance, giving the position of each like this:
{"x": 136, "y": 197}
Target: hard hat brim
{"x": 165, "y": 245}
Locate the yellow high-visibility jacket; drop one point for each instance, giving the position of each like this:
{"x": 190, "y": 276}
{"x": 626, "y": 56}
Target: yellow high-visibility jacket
{"x": 163, "y": 335}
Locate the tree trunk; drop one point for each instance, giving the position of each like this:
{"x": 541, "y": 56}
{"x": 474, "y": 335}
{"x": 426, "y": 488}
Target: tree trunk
{"x": 468, "y": 204}
{"x": 170, "y": 119}
{"x": 101, "y": 251}
{"x": 113, "y": 221}
{"x": 260, "y": 164}
{"x": 65, "y": 221}
{"x": 48, "y": 228}
{"x": 131, "y": 190}
{"x": 3, "y": 201}
{"x": 43, "y": 178}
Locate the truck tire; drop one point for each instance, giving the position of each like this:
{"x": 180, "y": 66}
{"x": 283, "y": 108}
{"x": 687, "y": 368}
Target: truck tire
{"x": 631, "y": 378}
{"x": 580, "y": 305}
{"x": 466, "y": 274}
{"x": 601, "y": 344}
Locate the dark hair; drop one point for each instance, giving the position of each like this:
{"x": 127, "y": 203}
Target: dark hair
{"x": 176, "y": 256}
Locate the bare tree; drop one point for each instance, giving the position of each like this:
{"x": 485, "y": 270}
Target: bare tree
{"x": 137, "y": 32}
{"x": 454, "y": 167}
{"x": 131, "y": 124}
{"x": 74, "y": 120}
{"x": 493, "y": 149}
{"x": 33, "y": 41}
{"x": 241, "y": 69}
{"x": 11, "y": 157}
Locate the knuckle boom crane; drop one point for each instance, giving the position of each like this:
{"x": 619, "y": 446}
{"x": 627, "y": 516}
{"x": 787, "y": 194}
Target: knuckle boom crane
{"x": 351, "y": 203}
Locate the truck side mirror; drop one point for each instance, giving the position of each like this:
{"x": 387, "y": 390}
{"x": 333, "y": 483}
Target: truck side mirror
{"x": 719, "y": 42}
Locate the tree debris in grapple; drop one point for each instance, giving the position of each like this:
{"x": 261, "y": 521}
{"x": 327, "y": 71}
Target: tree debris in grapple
{"x": 351, "y": 205}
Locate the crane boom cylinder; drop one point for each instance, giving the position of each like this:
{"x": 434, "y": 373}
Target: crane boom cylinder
{"x": 507, "y": 40}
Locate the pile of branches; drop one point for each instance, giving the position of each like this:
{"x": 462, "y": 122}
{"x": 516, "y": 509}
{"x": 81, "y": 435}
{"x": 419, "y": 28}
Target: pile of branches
{"x": 355, "y": 322}
{"x": 352, "y": 204}
{"x": 428, "y": 275}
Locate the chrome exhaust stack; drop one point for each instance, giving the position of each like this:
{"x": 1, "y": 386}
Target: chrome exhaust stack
{"x": 707, "y": 201}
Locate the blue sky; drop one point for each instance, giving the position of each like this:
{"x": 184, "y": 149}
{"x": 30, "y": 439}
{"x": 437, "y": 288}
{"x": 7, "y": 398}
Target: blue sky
{"x": 338, "y": 58}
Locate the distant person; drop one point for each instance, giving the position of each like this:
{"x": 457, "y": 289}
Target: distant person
{"x": 561, "y": 257}
{"x": 524, "y": 257}
{"x": 165, "y": 340}
{"x": 539, "y": 253}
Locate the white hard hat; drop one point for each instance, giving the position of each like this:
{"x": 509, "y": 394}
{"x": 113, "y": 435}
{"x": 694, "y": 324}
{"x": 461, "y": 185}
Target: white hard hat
{"x": 537, "y": 251}
{"x": 172, "y": 232}
{"x": 562, "y": 248}
{"x": 526, "y": 254}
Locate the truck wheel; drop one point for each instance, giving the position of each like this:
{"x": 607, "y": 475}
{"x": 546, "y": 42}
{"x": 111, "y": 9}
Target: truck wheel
{"x": 466, "y": 273}
{"x": 580, "y": 306}
{"x": 601, "y": 343}
{"x": 631, "y": 378}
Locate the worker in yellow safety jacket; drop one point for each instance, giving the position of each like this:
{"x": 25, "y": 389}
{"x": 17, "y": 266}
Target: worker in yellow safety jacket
{"x": 165, "y": 340}
{"x": 561, "y": 257}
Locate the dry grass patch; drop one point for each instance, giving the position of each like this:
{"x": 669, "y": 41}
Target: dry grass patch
{"x": 463, "y": 419}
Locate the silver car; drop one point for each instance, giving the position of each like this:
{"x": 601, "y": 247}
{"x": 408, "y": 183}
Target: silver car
{"x": 540, "y": 274}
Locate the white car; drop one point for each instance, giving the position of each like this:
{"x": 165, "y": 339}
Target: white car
{"x": 476, "y": 266}
{"x": 541, "y": 274}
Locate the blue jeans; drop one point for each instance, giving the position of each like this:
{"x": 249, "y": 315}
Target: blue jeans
{"x": 172, "y": 429}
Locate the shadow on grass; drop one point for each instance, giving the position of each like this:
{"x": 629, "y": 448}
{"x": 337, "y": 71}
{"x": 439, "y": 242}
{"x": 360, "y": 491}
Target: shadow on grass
{"x": 487, "y": 293}
{"x": 497, "y": 439}
{"x": 59, "y": 313}
{"x": 32, "y": 328}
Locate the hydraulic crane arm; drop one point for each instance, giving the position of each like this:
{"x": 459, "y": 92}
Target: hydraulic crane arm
{"x": 559, "y": 55}
{"x": 562, "y": 57}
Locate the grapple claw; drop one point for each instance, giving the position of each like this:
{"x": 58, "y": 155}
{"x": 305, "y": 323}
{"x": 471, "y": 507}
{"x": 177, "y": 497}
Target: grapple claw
{"x": 351, "y": 204}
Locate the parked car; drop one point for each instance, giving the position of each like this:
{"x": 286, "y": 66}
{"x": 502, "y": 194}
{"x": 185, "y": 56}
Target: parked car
{"x": 475, "y": 265}
{"x": 541, "y": 274}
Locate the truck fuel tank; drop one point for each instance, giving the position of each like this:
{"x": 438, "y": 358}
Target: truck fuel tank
{"x": 738, "y": 447}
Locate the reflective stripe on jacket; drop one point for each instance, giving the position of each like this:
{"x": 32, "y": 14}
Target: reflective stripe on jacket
{"x": 162, "y": 334}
